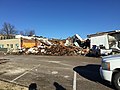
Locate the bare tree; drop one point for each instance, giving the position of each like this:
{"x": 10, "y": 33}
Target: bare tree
{"x": 8, "y": 30}
{"x": 30, "y": 32}
{"x": 22, "y": 33}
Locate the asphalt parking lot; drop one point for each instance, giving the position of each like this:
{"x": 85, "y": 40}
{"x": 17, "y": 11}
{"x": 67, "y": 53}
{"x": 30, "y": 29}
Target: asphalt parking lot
{"x": 53, "y": 72}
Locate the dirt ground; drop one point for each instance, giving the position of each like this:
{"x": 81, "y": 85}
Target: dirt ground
{"x": 11, "y": 86}
{"x": 51, "y": 72}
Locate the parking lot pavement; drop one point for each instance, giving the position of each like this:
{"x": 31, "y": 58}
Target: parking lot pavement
{"x": 54, "y": 72}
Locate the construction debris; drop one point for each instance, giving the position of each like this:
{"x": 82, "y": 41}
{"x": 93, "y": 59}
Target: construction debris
{"x": 54, "y": 50}
{"x": 72, "y": 46}
{"x": 60, "y": 50}
{"x": 104, "y": 43}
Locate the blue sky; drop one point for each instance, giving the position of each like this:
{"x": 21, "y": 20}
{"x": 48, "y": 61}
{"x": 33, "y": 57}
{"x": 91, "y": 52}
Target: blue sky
{"x": 61, "y": 18}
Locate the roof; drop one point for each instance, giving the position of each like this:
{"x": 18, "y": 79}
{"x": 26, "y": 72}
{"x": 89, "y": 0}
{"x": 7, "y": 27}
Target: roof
{"x": 103, "y": 33}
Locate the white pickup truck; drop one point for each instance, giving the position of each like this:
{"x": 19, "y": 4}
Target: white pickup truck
{"x": 110, "y": 70}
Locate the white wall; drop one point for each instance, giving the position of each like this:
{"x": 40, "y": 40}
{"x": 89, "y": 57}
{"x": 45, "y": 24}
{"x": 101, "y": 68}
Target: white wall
{"x": 100, "y": 40}
{"x": 7, "y": 42}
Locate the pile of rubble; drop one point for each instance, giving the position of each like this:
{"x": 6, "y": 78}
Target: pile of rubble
{"x": 60, "y": 50}
{"x": 72, "y": 46}
{"x": 54, "y": 50}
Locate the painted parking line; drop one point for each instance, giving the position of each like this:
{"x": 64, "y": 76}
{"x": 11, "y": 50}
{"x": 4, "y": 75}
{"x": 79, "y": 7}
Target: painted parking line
{"x": 75, "y": 74}
{"x": 74, "y": 81}
{"x": 24, "y": 73}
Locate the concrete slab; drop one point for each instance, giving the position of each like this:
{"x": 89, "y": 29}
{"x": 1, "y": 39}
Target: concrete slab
{"x": 52, "y": 72}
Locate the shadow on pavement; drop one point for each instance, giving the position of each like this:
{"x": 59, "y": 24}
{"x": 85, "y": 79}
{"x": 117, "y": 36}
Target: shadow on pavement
{"x": 33, "y": 86}
{"x": 58, "y": 86}
{"x": 91, "y": 72}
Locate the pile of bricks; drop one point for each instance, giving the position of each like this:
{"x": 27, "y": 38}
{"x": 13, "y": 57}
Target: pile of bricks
{"x": 60, "y": 50}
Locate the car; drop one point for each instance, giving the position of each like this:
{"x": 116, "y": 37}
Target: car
{"x": 110, "y": 70}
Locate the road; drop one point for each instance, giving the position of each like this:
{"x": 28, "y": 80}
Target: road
{"x": 53, "y": 72}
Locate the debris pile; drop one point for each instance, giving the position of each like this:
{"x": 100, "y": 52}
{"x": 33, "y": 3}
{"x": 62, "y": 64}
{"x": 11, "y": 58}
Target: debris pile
{"x": 56, "y": 49}
{"x": 59, "y": 50}
{"x": 71, "y": 46}
{"x": 99, "y": 44}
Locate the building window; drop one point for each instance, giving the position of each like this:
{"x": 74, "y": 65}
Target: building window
{"x": 1, "y": 46}
{"x": 11, "y": 45}
{"x": 16, "y": 45}
{"x": 7, "y": 45}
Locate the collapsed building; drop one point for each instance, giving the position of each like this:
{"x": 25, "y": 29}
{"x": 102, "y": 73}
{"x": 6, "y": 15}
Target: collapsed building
{"x": 76, "y": 40}
{"x": 36, "y": 45}
{"x": 103, "y": 43}
{"x": 74, "y": 45}
{"x": 107, "y": 42}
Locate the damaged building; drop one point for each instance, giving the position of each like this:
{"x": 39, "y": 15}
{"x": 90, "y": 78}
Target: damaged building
{"x": 109, "y": 42}
{"x": 17, "y": 42}
{"x": 37, "y": 45}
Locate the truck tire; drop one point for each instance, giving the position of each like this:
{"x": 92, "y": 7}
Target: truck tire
{"x": 116, "y": 81}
